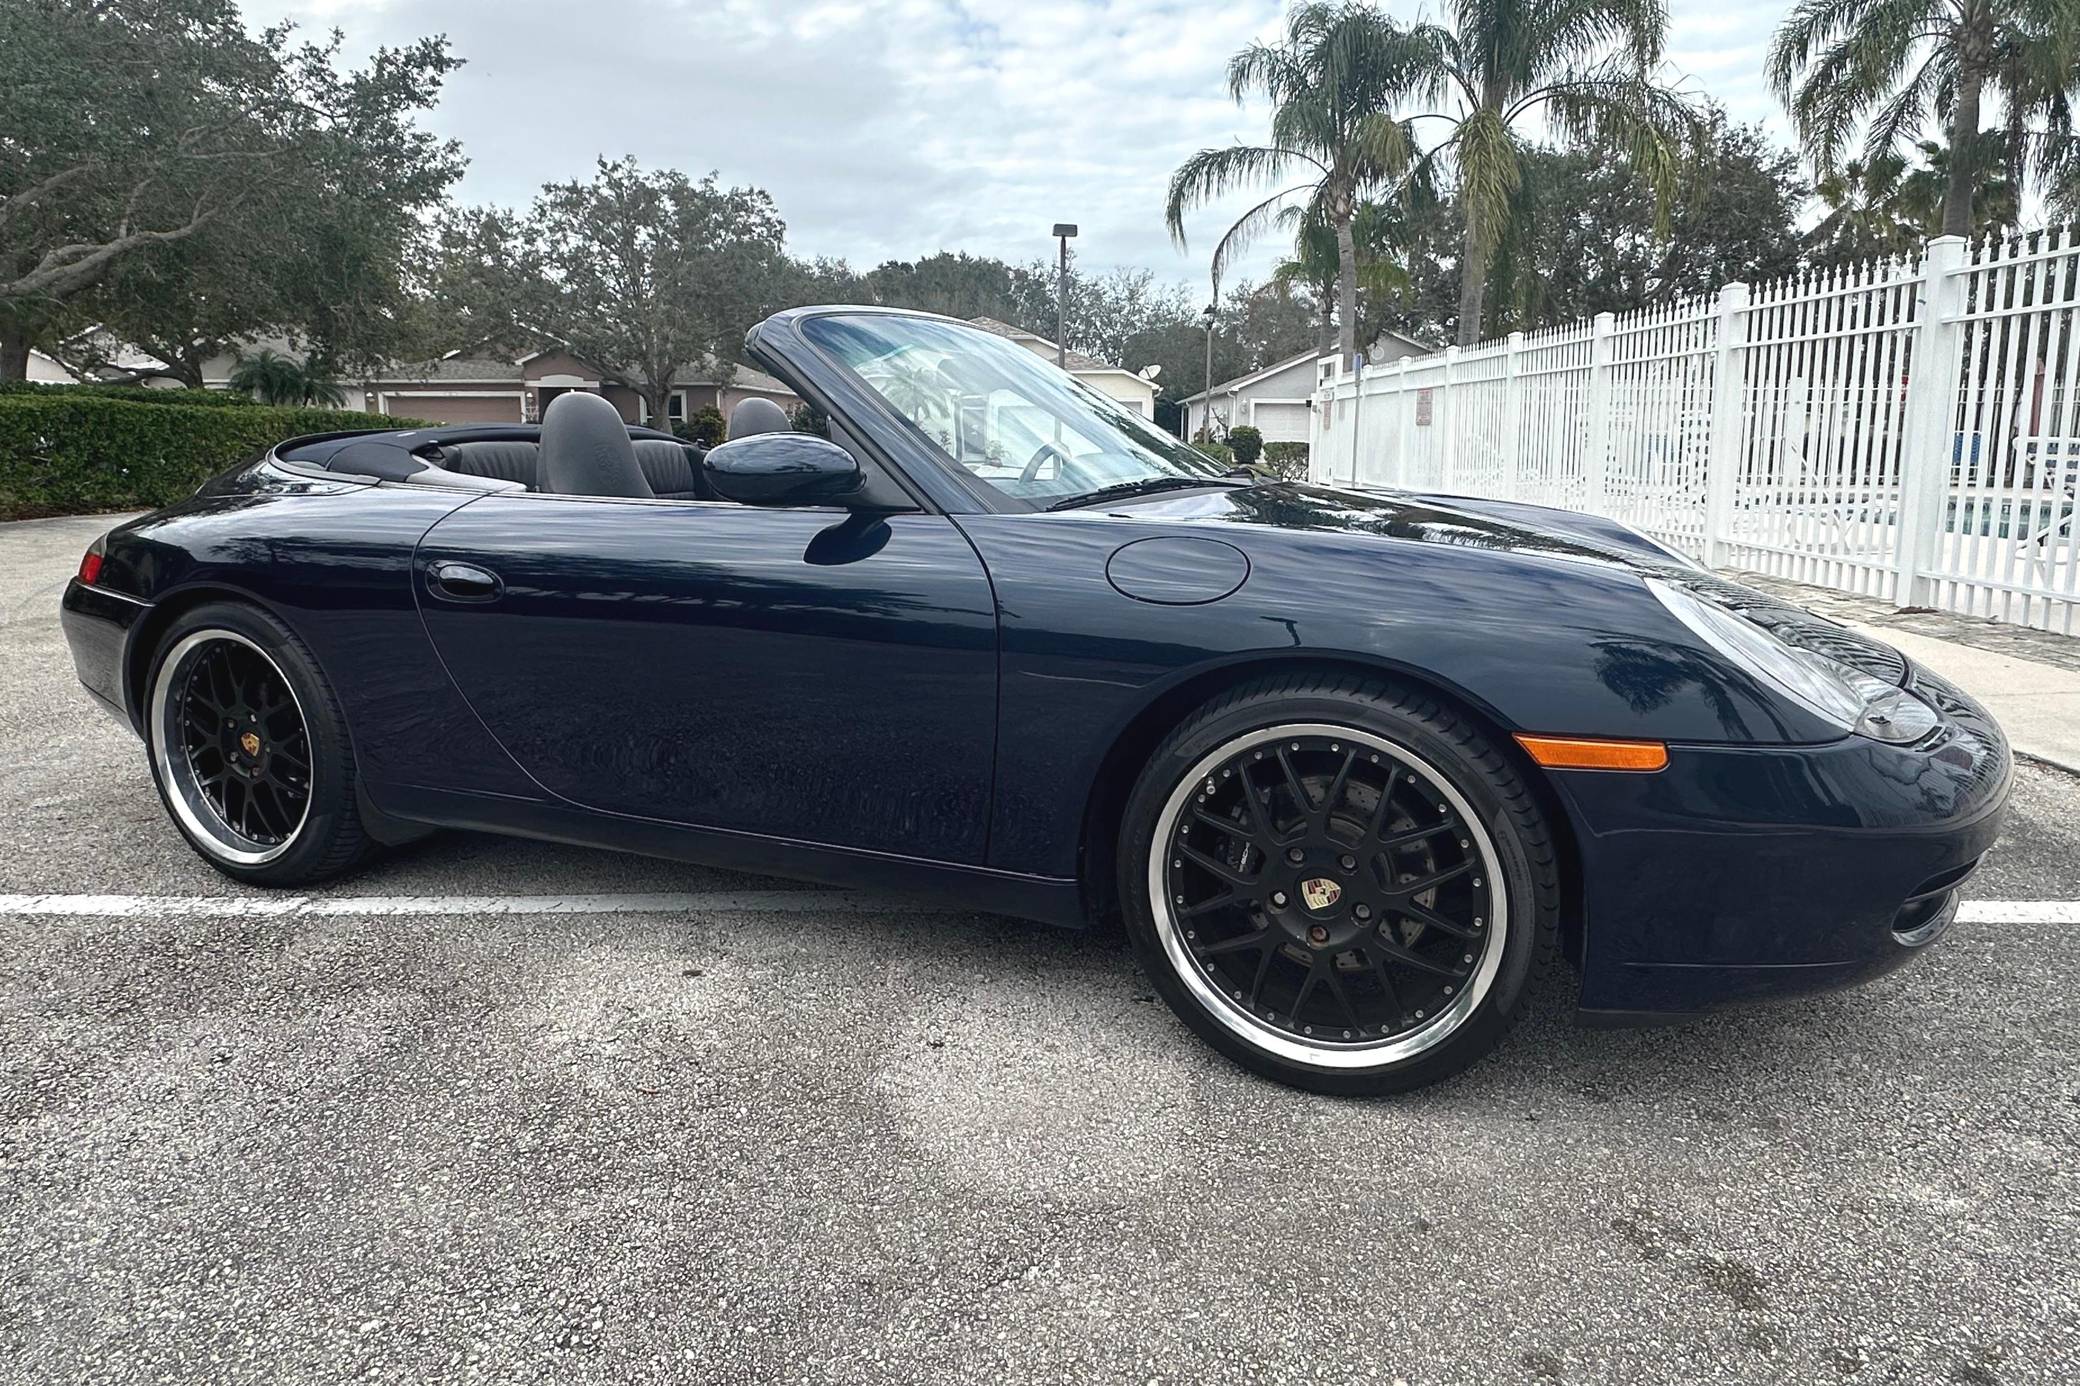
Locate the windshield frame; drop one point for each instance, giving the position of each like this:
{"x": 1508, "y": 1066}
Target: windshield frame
{"x": 784, "y": 335}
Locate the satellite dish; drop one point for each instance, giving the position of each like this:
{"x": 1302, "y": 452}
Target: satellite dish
{"x": 1151, "y": 372}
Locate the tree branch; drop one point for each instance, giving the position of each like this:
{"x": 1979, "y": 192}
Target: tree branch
{"x": 35, "y": 192}
{"x": 67, "y": 269}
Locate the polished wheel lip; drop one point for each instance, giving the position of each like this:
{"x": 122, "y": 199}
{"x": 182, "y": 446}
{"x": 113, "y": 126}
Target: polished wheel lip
{"x": 1252, "y": 1029}
{"x": 190, "y": 805}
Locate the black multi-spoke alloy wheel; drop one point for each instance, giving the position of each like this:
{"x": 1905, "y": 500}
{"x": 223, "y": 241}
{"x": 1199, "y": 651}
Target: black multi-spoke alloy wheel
{"x": 1340, "y": 883}
{"x": 249, "y": 749}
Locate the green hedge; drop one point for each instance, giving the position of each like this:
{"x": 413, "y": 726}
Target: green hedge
{"x": 77, "y": 450}
{"x": 1247, "y": 443}
{"x": 1288, "y": 460}
{"x": 141, "y": 394}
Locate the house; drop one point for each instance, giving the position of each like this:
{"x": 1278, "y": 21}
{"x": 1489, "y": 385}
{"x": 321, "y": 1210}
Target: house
{"x": 478, "y": 387}
{"x": 1277, "y": 400}
{"x": 1114, "y": 382}
{"x": 44, "y": 371}
{"x": 462, "y": 388}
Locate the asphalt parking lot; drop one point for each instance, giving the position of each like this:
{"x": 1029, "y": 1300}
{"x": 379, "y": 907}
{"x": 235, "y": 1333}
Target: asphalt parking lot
{"x": 405, "y": 1136}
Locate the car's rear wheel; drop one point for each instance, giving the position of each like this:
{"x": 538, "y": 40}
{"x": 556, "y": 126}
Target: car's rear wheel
{"x": 1340, "y": 883}
{"x": 249, "y": 749}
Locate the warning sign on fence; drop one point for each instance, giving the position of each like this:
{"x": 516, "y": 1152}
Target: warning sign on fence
{"x": 1423, "y": 408}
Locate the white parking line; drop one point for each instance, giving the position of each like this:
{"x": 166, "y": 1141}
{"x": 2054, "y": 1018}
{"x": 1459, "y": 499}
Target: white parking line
{"x": 278, "y": 906}
{"x": 683, "y": 902}
{"x": 2019, "y": 912}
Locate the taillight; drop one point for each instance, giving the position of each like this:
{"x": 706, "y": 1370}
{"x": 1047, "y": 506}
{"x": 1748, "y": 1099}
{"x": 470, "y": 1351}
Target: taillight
{"x": 90, "y": 565}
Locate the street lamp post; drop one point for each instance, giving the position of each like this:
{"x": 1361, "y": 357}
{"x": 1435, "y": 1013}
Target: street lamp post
{"x": 1206, "y": 318}
{"x": 1064, "y": 230}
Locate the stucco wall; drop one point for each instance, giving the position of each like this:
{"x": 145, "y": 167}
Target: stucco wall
{"x": 557, "y": 363}
{"x": 1127, "y": 389}
{"x": 625, "y": 400}
{"x": 733, "y": 395}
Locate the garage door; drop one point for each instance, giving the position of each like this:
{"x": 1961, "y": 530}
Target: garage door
{"x": 1282, "y": 423}
{"x": 455, "y": 409}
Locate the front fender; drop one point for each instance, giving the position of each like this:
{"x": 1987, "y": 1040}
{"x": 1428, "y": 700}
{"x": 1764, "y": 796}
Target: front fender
{"x": 1535, "y": 644}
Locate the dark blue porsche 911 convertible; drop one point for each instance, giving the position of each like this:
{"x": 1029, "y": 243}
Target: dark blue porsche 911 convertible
{"x": 1354, "y": 768}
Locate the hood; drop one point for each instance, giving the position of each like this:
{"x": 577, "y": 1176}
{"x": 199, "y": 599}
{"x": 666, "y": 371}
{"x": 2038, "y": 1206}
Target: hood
{"x": 1465, "y": 522}
{"x": 1460, "y": 522}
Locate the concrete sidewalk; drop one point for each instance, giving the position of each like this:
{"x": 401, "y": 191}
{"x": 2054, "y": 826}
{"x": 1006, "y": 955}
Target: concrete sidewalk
{"x": 2028, "y": 679}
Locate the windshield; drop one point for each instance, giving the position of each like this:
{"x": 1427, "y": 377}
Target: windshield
{"x": 1028, "y": 429}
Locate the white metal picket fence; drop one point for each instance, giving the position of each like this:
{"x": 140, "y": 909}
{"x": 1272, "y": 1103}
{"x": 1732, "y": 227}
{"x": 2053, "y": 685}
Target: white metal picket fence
{"x": 1908, "y": 430}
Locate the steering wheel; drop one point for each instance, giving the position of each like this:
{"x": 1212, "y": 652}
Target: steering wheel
{"x": 1045, "y": 451}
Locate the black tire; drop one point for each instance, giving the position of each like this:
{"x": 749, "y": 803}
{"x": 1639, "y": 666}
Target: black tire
{"x": 1342, "y": 792}
{"x": 293, "y": 838}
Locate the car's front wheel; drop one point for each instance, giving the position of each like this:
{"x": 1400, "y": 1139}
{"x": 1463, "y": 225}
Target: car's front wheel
{"x": 249, "y": 748}
{"x": 1339, "y": 883}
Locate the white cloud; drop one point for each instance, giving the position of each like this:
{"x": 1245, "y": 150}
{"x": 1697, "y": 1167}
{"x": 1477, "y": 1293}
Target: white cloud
{"x": 893, "y": 128}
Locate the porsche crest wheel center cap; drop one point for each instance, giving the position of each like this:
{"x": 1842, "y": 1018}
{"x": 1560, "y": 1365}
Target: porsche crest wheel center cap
{"x": 1320, "y": 892}
{"x": 250, "y": 744}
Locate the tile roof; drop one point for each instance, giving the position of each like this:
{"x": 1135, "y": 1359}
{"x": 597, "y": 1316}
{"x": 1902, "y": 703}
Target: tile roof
{"x": 450, "y": 368}
{"x": 1251, "y": 377}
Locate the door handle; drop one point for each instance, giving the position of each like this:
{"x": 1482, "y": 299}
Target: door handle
{"x": 465, "y": 582}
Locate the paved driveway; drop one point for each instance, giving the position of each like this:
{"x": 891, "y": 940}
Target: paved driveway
{"x": 400, "y": 1134}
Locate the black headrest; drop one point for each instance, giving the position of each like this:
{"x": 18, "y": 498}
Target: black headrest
{"x": 757, "y": 415}
{"x": 586, "y": 450}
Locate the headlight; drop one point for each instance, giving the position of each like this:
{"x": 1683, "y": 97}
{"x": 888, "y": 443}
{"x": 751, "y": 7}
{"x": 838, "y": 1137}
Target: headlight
{"x": 1895, "y": 715}
{"x": 1848, "y": 698}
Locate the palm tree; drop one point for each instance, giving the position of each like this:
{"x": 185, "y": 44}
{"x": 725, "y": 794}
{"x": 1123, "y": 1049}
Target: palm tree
{"x": 2062, "y": 182}
{"x": 1585, "y": 66}
{"x": 1864, "y": 218}
{"x": 321, "y": 387}
{"x": 2038, "y": 81}
{"x": 1923, "y": 194}
{"x": 268, "y": 376}
{"x": 1332, "y": 84}
{"x": 1379, "y": 233}
{"x": 1889, "y": 207}
{"x": 273, "y": 378}
{"x": 1836, "y": 62}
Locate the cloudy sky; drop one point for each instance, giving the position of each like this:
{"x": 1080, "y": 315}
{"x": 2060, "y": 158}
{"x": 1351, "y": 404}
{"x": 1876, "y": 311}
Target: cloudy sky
{"x": 893, "y": 128}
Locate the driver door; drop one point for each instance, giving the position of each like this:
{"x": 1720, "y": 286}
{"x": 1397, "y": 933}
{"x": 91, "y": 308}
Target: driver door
{"x": 794, "y": 673}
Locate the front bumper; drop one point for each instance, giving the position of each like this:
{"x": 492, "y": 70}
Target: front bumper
{"x": 1746, "y": 872}
{"x": 99, "y": 625}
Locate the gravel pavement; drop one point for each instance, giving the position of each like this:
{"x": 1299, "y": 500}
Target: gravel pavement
{"x": 881, "y": 1144}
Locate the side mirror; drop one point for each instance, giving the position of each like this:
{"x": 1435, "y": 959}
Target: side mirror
{"x": 781, "y": 469}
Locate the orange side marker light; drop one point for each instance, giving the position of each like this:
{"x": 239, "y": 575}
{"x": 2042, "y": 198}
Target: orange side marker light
{"x": 1576, "y": 753}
